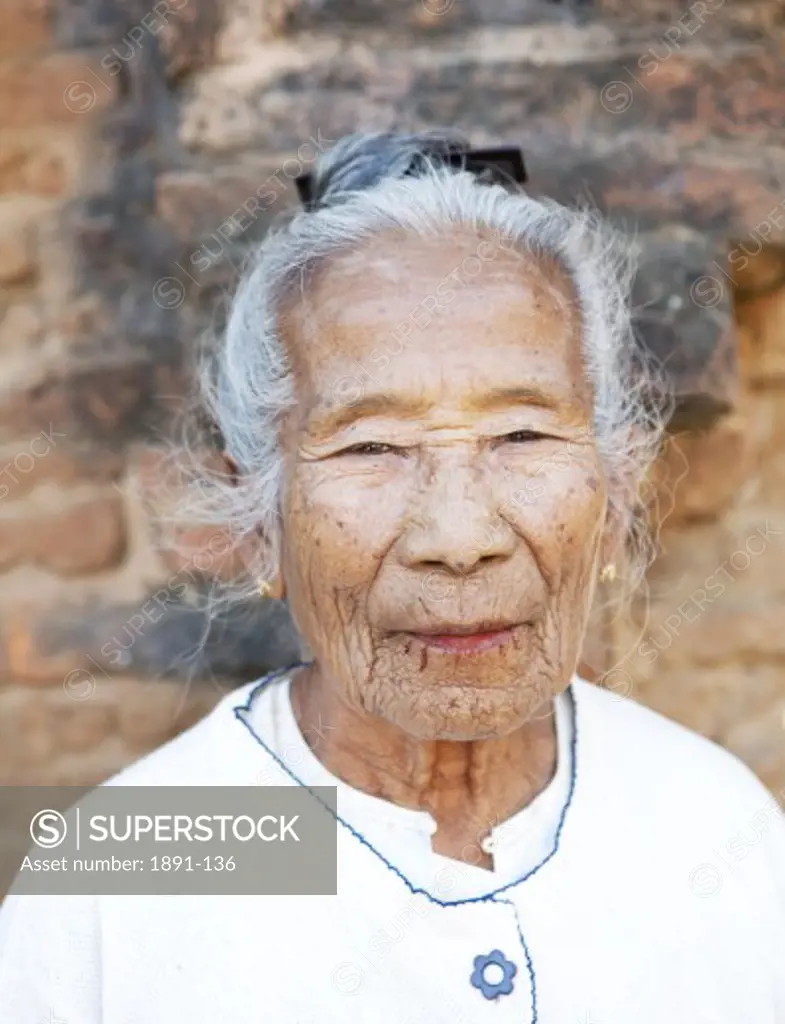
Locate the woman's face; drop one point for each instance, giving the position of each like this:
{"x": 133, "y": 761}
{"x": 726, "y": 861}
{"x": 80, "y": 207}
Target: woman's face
{"x": 441, "y": 482}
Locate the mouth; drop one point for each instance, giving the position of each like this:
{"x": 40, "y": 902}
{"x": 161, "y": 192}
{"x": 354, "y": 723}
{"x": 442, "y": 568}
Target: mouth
{"x": 465, "y": 639}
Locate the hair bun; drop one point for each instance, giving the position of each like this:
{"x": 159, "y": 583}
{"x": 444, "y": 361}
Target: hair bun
{"x": 360, "y": 161}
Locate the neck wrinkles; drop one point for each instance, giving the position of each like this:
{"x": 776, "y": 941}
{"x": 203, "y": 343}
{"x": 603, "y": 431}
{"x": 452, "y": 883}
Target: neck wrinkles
{"x": 467, "y": 787}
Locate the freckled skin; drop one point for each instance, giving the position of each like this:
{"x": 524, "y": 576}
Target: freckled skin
{"x": 463, "y": 511}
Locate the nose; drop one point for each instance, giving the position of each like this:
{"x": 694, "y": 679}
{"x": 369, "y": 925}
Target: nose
{"x": 456, "y": 524}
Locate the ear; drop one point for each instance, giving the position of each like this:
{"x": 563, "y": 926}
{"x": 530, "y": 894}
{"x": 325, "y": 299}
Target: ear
{"x": 249, "y": 549}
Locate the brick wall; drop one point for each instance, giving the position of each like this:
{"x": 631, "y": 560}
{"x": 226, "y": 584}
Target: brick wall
{"x": 707, "y": 645}
{"x": 145, "y": 147}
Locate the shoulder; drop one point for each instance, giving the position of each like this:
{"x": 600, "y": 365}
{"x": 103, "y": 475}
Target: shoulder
{"x": 688, "y": 797}
{"x": 660, "y": 754}
{"x": 678, "y": 809}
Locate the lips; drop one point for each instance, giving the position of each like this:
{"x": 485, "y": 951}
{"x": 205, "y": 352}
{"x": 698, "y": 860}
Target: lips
{"x": 463, "y": 639}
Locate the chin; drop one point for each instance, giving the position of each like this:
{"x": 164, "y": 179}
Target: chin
{"x": 458, "y": 698}
{"x": 458, "y": 713}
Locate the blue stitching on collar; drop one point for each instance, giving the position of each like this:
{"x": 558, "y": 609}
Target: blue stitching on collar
{"x": 491, "y": 897}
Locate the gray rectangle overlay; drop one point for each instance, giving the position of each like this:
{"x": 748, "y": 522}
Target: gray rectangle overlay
{"x": 168, "y": 840}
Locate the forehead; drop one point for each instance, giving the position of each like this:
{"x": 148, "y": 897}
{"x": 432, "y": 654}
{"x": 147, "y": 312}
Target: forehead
{"x": 459, "y": 301}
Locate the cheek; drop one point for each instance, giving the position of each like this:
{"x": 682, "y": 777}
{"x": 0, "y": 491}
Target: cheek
{"x": 561, "y": 512}
{"x": 338, "y": 530}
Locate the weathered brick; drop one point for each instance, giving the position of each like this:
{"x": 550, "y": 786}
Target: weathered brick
{"x": 83, "y": 725}
{"x": 21, "y": 328}
{"x": 25, "y": 27}
{"x": 165, "y": 636}
{"x": 48, "y": 458}
{"x": 28, "y": 735}
{"x": 19, "y": 216}
{"x": 294, "y": 15}
{"x": 17, "y": 261}
{"x": 404, "y": 20}
{"x": 406, "y": 17}
{"x": 27, "y": 656}
{"x": 89, "y": 768}
{"x": 757, "y": 740}
{"x": 682, "y": 305}
{"x": 246, "y": 24}
{"x": 28, "y": 410}
{"x": 83, "y": 319}
{"x": 111, "y": 404}
{"x": 186, "y": 34}
{"x": 41, "y": 162}
{"x": 126, "y": 258}
{"x": 640, "y": 187}
{"x": 86, "y": 537}
{"x": 49, "y": 738}
{"x": 766, "y": 416}
{"x": 54, "y": 90}
{"x": 688, "y": 98}
{"x": 734, "y": 631}
{"x": 83, "y": 23}
{"x": 720, "y": 697}
{"x": 692, "y": 23}
{"x": 759, "y": 273}
{"x": 153, "y": 712}
{"x": 91, "y": 23}
{"x": 761, "y": 321}
{"x": 703, "y": 471}
{"x": 221, "y": 207}
{"x": 175, "y": 37}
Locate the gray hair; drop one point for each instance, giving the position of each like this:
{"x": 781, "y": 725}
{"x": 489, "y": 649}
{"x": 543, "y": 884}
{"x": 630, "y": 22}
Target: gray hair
{"x": 360, "y": 188}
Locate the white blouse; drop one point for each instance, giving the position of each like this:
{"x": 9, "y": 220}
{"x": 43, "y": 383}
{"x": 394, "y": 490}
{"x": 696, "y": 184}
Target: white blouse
{"x": 656, "y": 900}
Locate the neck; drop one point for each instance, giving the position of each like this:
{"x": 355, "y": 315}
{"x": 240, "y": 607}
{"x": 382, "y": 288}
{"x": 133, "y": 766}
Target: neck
{"x": 467, "y": 787}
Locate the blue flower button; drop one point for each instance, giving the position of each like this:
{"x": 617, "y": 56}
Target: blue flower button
{"x": 493, "y": 989}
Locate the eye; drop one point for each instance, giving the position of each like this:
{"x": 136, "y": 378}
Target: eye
{"x": 521, "y": 436}
{"x": 369, "y": 448}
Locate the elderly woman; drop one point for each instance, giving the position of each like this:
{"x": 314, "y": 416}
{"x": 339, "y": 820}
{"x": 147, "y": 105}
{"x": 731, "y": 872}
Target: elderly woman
{"x": 435, "y": 424}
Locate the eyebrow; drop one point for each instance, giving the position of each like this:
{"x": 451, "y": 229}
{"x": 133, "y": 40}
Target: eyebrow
{"x": 528, "y": 394}
{"x": 332, "y": 418}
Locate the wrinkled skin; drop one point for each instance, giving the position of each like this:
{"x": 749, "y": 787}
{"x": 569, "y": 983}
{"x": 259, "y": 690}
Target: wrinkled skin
{"x": 470, "y": 491}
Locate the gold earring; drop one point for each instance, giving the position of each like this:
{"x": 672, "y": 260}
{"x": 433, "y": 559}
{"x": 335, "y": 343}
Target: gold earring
{"x": 265, "y": 589}
{"x": 608, "y": 573}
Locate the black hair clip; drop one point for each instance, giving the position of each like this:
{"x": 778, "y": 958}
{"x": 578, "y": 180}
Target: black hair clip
{"x": 503, "y": 163}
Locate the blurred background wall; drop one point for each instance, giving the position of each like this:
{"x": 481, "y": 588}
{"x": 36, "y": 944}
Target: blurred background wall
{"x": 146, "y": 146}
